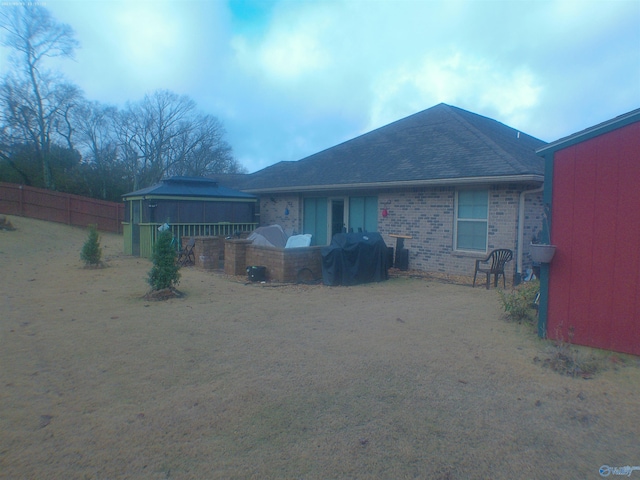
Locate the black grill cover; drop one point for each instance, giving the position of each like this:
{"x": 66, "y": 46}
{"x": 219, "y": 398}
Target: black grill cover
{"x": 354, "y": 258}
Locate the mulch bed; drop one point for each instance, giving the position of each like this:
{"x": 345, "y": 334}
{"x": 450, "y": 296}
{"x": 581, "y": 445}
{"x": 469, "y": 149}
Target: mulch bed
{"x": 436, "y": 276}
{"x": 393, "y": 273}
{"x": 164, "y": 294}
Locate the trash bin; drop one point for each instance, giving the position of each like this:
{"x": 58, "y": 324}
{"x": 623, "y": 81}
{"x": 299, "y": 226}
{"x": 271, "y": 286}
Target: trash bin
{"x": 402, "y": 259}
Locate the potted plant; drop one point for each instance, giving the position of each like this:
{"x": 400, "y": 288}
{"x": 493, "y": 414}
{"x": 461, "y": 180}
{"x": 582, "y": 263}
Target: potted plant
{"x": 541, "y": 250}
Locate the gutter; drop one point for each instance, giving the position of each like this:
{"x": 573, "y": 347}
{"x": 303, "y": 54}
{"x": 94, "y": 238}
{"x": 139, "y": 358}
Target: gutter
{"x": 521, "y": 228}
{"x": 192, "y": 198}
{"x": 591, "y": 132}
{"x": 439, "y": 182}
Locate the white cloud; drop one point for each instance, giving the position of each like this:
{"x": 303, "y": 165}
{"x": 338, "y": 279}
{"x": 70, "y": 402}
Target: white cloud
{"x": 292, "y": 48}
{"x": 320, "y": 72}
{"x": 145, "y": 33}
{"x": 513, "y": 95}
{"x": 456, "y": 79}
{"x": 289, "y": 55}
{"x": 336, "y": 69}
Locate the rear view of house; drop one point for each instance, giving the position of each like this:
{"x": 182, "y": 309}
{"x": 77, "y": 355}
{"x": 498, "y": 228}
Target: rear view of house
{"x": 456, "y": 184}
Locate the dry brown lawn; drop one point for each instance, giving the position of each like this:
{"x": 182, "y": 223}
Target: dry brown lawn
{"x": 409, "y": 378}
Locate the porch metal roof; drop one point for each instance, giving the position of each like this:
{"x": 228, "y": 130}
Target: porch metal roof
{"x": 189, "y": 187}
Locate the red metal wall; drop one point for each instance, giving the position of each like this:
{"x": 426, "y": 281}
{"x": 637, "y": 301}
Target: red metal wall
{"x": 594, "y": 279}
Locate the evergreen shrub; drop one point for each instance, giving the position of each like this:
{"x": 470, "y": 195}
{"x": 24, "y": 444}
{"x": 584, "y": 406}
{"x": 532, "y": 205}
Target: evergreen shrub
{"x": 91, "y": 253}
{"x": 520, "y": 303}
{"x": 165, "y": 271}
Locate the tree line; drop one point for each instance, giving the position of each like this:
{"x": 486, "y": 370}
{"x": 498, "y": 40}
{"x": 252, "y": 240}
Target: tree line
{"x": 51, "y": 136}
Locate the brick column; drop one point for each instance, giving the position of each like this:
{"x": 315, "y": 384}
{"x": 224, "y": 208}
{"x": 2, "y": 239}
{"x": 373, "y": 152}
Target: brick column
{"x": 207, "y": 252}
{"x": 235, "y": 256}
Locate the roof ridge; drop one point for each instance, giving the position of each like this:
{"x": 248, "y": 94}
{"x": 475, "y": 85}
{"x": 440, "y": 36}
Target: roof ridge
{"x": 364, "y": 134}
{"x": 488, "y": 140}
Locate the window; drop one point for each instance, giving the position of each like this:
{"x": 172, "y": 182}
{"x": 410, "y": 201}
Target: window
{"x": 363, "y": 214}
{"x": 323, "y": 217}
{"x": 472, "y": 220}
{"x": 315, "y": 219}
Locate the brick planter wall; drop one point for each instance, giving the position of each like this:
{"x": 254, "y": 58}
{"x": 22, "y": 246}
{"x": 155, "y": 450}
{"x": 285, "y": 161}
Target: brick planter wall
{"x": 208, "y": 251}
{"x": 282, "y": 264}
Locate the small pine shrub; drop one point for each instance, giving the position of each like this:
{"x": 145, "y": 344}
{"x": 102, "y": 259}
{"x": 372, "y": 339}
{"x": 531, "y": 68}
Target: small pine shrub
{"x": 165, "y": 272}
{"x": 518, "y": 304}
{"x": 91, "y": 253}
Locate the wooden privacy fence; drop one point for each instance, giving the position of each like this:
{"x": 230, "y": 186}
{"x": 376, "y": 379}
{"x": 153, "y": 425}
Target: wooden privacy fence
{"x": 60, "y": 207}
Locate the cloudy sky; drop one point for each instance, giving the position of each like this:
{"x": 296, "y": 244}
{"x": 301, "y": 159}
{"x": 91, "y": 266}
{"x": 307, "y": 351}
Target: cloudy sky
{"x": 291, "y": 78}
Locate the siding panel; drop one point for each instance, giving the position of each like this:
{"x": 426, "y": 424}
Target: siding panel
{"x": 584, "y": 174}
{"x": 560, "y": 275}
{"x": 594, "y": 281}
{"x": 625, "y": 310}
{"x": 598, "y": 319}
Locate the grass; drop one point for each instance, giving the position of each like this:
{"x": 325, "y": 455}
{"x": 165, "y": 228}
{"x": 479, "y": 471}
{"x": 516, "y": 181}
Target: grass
{"x": 561, "y": 356}
{"x": 408, "y": 378}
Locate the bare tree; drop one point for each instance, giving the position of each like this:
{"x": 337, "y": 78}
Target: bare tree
{"x": 8, "y": 150}
{"x": 67, "y": 100}
{"x": 126, "y": 127}
{"x": 205, "y": 151}
{"x": 94, "y": 125}
{"x": 41, "y": 121}
{"x": 34, "y": 35}
{"x": 44, "y": 117}
{"x": 165, "y": 134}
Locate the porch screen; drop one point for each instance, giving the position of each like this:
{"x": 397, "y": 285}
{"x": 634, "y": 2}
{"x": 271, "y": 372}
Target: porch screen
{"x": 471, "y": 220}
{"x": 363, "y": 214}
{"x": 315, "y": 219}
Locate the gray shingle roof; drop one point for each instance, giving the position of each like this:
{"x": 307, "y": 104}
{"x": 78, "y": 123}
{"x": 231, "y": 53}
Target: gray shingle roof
{"x": 189, "y": 187}
{"x": 440, "y": 143}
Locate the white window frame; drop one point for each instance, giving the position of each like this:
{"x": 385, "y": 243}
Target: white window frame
{"x": 458, "y": 219}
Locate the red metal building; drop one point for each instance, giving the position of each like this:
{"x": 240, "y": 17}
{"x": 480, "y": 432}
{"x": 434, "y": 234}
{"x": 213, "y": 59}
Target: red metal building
{"x": 590, "y": 292}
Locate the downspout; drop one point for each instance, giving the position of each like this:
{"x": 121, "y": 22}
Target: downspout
{"x": 521, "y": 230}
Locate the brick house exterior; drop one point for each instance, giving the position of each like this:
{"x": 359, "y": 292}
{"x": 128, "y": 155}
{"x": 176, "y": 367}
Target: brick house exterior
{"x": 416, "y": 177}
{"x": 427, "y": 215}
